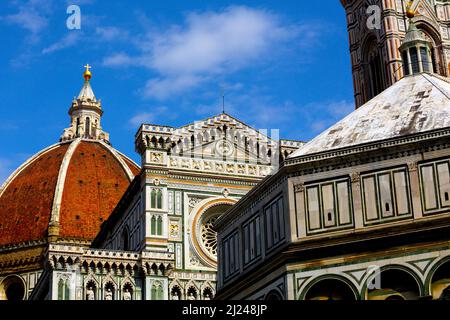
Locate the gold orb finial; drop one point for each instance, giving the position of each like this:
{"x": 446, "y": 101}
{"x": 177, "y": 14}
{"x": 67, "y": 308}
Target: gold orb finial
{"x": 410, "y": 13}
{"x": 87, "y": 75}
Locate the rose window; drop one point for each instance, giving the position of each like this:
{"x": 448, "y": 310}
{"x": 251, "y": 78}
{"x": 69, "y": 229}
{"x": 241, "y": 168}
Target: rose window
{"x": 209, "y": 236}
{"x": 203, "y": 236}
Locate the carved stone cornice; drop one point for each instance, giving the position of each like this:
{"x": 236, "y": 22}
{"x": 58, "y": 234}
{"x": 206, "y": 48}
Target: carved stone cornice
{"x": 369, "y": 147}
{"x": 29, "y": 258}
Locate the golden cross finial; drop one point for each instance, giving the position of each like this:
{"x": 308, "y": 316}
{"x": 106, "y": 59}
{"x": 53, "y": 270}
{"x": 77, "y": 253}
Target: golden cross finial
{"x": 87, "y": 74}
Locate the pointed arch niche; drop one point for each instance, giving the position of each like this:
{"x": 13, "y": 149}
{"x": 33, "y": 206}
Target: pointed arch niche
{"x": 374, "y": 70}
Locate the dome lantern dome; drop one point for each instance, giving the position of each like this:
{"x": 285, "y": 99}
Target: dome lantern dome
{"x": 416, "y": 51}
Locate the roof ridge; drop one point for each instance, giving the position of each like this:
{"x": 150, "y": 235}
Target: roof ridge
{"x": 122, "y": 162}
{"x": 25, "y": 164}
{"x": 442, "y": 90}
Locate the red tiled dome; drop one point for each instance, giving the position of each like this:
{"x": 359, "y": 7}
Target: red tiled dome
{"x": 76, "y": 184}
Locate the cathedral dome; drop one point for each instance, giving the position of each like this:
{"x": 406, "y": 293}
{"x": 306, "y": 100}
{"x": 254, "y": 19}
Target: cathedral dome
{"x": 67, "y": 190}
{"x": 71, "y": 186}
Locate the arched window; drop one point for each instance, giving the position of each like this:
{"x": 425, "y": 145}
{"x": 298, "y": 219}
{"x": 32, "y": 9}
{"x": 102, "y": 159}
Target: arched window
{"x": 159, "y": 226}
{"x": 157, "y": 291}
{"x": 156, "y": 199}
{"x": 77, "y": 129}
{"x": 153, "y": 198}
{"x": 63, "y": 290}
{"x": 87, "y": 130}
{"x": 153, "y": 226}
{"x": 159, "y": 199}
{"x": 373, "y": 69}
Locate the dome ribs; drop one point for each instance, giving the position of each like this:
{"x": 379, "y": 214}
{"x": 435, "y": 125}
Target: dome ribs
{"x": 77, "y": 183}
{"x": 26, "y": 203}
{"x": 104, "y": 181}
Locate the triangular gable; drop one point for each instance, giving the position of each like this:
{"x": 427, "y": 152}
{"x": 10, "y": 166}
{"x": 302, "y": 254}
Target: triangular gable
{"x": 424, "y": 8}
{"x": 221, "y": 119}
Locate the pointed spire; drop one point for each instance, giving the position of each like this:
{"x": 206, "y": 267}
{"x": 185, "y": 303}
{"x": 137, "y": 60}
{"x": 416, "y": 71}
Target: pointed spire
{"x": 87, "y": 92}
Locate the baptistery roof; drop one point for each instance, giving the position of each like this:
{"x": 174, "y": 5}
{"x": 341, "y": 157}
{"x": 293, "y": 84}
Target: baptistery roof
{"x": 415, "y": 104}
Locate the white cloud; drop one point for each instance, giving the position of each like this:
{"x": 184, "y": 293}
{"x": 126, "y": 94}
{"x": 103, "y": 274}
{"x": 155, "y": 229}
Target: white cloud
{"x": 110, "y": 33}
{"x": 208, "y": 45}
{"x": 141, "y": 118}
{"x": 163, "y": 88}
{"x": 31, "y": 16}
{"x": 321, "y": 115}
{"x": 147, "y": 117}
{"x": 214, "y": 41}
{"x": 118, "y": 60}
{"x": 264, "y": 111}
{"x": 69, "y": 40}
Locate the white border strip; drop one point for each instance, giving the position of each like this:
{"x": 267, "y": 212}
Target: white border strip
{"x": 54, "y": 217}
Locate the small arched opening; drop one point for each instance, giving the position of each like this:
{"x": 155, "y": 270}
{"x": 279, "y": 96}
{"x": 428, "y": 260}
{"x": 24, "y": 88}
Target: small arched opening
{"x": 12, "y": 288}
{"x": 330, "y": 290}
{"x": 440, "y": 282}
{"x": 274, "y": 295}
{"x": 394, "y": 284}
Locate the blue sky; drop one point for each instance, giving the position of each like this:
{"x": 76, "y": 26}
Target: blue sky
{"x": 282, "y": 64}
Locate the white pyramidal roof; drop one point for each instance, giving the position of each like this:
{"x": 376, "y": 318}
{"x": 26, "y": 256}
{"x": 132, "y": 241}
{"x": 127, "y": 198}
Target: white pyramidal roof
{"x": 415, "y": 104}
{"x": 87, "y": 92}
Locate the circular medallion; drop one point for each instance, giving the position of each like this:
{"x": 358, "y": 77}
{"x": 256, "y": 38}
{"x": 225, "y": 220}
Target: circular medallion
{"x": 224, "y": 148}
